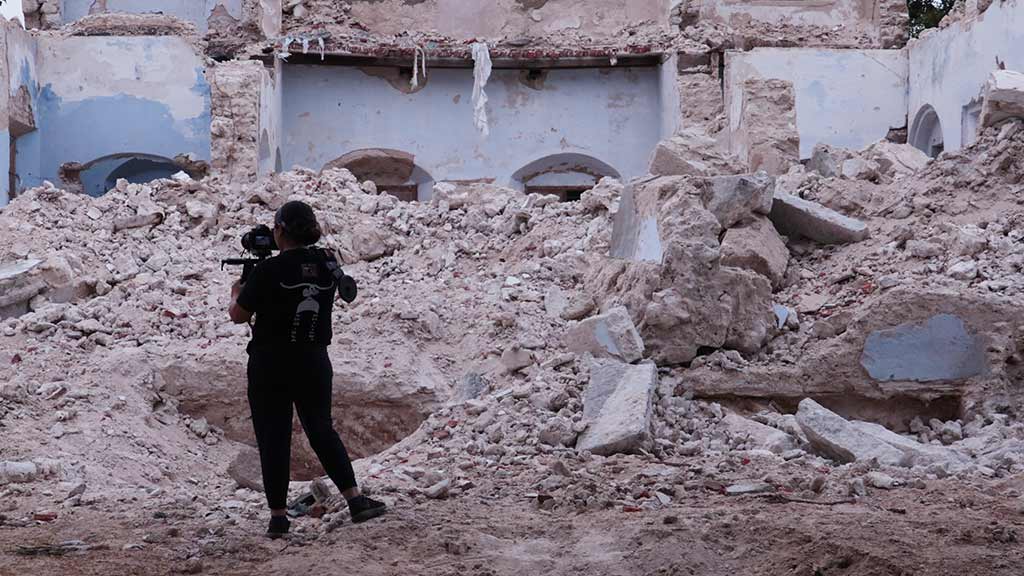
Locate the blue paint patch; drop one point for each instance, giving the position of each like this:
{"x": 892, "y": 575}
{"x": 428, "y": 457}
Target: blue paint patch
{"x": 5, "y": 167}
{"x": 103, "y": 126}
{"x": 940, "y": 349}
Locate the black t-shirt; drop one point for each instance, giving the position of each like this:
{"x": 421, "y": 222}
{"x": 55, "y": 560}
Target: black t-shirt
{"x": 291, "y": 295}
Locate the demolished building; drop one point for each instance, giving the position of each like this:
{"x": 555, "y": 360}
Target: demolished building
{"x": 612, "y": 255}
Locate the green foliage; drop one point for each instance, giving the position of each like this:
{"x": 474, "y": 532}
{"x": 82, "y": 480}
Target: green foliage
{"x": 927, "y": 14}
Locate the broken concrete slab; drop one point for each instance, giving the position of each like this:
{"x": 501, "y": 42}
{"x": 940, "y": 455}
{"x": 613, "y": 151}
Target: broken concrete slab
{"x": 691, "y": 153}
{"x": 18, "y": 287}
{"x": 939, "y": 349}
{"x": 917, "y": 454}
{"x": 617, "y": 406}
{"x": 834, "y": 437}
{"x": 759, "y": 435}
{"x": 758, "y": 247}
{"x": 794, "y": 216}
{"x": 1003, "y": 97}
{"x": 733, "y": 199}
{"x": 608, "y": 335}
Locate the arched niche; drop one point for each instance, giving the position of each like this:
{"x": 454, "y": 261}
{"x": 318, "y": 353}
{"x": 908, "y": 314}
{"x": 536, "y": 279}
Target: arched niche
{"x": 393, "y": 171}
{"x": 926, "y": 132}
{"x": 565, "y": 175}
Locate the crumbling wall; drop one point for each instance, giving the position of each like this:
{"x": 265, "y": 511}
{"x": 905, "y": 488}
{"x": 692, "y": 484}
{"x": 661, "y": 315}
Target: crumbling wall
{"x": 611, "y": 114}
{"x": 846, "y": 98}
{"x": 269, "y": 151}
{"x": 513, "y": 18}
{"x": 949, "y": 67}
{"x": 105, "y": 96}
{"x": 199, "y": 12}
{"x": 237, "y": 88}
{"x": 22, "y": 104}
{"x": 866, "y": 23}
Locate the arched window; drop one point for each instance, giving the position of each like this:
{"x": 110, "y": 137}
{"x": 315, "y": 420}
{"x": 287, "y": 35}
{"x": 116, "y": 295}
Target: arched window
{"x": 393, "y": 171}
{"x": 564, "y": 175}
{"x": 926, "y": 132}
{"x": 101, "y": 175}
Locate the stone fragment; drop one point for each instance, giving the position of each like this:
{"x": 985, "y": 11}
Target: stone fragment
{"x": 794, "y": 216}
{"x": 965, "y": 270}
{"x": 827, "y": 160}
{"x": 515, "y": 358}
{"x": 733, "y": 199}
{"x": 557, "y": 431}
{"x": 691, "y": 153}
{"x": 882, "y": 481}
{"x": 759, "y": 435}
{"x": 860, "y": 169}
{"x": 609, "y": 335}
{"x": 200, "y": 427}
{"x": 138, "y": 221}
{"x": 916, "y": 453}
{"x": 757, "y": 247}
{"x": 617, "y": 406}
{"x": 939, "y": 349}
{"x": 832, "y": 436}
{"x": 749, "y": 488}
{"x": 892, "y": 160}
{"x": 1003, "y": 97}
{"x": 18, "y": 472}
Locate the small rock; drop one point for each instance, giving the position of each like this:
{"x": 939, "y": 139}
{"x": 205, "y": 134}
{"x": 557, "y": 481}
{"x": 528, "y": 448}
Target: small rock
{"x": 439, "y": 491}
{"x": 749, "y": 488}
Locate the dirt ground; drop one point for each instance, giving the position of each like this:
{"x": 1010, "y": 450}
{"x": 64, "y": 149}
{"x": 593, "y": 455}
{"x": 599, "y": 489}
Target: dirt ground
{"x": 946, "y": 528}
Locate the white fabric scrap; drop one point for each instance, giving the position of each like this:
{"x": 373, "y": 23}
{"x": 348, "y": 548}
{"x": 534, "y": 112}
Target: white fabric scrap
{"x": 481, "y": 74}
{"x": 419, "y": 66}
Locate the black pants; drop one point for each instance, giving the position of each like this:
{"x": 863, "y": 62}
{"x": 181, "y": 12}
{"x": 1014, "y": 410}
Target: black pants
{"x": 278, "y": 379}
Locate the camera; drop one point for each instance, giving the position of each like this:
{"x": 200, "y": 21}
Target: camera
{"x": 259, "y": 241}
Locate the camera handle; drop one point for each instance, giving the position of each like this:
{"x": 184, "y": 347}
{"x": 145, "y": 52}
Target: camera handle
{"x": 247, "y": 264}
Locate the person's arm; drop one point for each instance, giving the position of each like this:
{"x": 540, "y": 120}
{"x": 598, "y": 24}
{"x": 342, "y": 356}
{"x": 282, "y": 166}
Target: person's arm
{"x": 238, "y": 314}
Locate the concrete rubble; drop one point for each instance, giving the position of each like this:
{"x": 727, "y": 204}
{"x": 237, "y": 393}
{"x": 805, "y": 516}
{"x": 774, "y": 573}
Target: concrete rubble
{"x": 754, "y": 324}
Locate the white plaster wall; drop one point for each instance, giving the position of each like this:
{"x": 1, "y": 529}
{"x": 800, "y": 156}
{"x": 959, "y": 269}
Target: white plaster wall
{"x": 12, "y": 9}
{"x": 949, "y": 67}
{"x": 270, "y": 117}
{"x": 847, "y": 98}
{"x": 609, "y": 114}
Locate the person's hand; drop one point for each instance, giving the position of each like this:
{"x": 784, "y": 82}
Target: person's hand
{"x": 236, "y": 288}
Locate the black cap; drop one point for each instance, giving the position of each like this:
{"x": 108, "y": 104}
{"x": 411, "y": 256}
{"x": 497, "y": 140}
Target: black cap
{"x": 295, "y": 215}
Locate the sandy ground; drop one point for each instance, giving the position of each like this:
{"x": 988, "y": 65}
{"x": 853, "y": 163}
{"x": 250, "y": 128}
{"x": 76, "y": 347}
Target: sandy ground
{"x": 946, "y": 528}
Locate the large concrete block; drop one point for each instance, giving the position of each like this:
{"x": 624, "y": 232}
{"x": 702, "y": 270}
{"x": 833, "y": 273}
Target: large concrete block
{"x": 617, "y": 406}
{"x": 939, "y": 349}
{"x": 691, "y": 153}
{"x": 609, "y": 335}
{"x": 757, "y": 247}
{"x": 733, "y": 199}
{"x": 1003, "y": 97}
{"x": 834, "y": 437}
{"x": 917, "y": 454}
{"x": 794, "y": 216}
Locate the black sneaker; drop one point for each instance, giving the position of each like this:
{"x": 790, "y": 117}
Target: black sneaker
{"x": 363, "y": 509}
{"x": 279, "y": 526}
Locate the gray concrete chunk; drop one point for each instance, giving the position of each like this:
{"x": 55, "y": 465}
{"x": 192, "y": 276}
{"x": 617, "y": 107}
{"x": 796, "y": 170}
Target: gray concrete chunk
{"x": 733, "y": 199}
{"x": 939, "y": 349}
{"x": 609, "y": 335}
{"x": 834, "y": 437}
{"x": 794, "y": 216}
{"x": 617, "y": 406}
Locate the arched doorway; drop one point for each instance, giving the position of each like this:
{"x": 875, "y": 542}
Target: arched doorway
{"x": 393, "y": 171}
{"x": 926, "y": 132}
{"x": 101, "y": 175}
{"x": 565, "y": 175}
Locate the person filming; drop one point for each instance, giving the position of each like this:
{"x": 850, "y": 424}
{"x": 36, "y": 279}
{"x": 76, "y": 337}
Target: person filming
{"x": 291, "y": 296}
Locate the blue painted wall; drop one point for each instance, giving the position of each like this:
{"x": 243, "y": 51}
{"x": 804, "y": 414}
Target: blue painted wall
{"x": 103, "y": 96}
{"x": 5, "y": 167}
{"x": 195, "y": 11}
